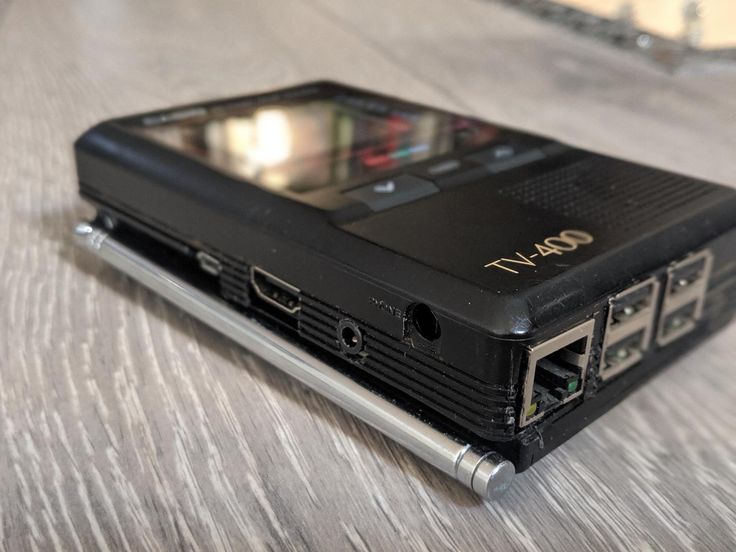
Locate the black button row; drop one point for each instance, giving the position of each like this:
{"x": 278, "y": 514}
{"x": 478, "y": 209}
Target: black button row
{"x": 403, "y": 188}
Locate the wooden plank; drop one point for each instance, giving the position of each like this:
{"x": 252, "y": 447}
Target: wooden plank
{"x": 126, "y": 425}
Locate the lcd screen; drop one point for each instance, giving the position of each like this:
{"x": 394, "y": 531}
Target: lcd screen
{"x": 309, "y": 143}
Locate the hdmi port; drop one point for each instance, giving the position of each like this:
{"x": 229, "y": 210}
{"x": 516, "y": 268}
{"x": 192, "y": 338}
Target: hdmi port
{"x": 274, "y": 291}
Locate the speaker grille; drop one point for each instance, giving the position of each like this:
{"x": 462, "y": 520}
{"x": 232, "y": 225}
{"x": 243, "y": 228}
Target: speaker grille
{"x": 608, "y": 192}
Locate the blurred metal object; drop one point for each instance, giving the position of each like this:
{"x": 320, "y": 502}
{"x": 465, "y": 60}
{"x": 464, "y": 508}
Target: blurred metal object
{"x": 678, "y": 41}
{"x": 692, "y": 19}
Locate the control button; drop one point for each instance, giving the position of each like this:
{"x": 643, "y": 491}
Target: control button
{"x": 444, "y": 167}
{"x": 391, "y": 192}
{"x": 515, "y": 161}
{"x": 500, "y": 152}
{"x": 554, "y": 148}
{"x": 506, "y": 156}
{"x": 451, "y": 172}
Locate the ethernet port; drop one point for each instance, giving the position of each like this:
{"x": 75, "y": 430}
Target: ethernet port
{"x": 629, "y": 327}
{"x": 555, "y": 372}
{"x": 684, "y": 298}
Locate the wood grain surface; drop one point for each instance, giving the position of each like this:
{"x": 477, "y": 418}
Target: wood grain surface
{"x": 125, "y": 425}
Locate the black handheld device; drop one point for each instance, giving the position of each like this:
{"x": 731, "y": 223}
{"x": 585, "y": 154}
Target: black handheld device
{"x": 502, "y": 286}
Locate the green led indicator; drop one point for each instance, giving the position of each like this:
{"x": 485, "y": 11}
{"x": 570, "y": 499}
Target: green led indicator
{"x": 572, "y": 386}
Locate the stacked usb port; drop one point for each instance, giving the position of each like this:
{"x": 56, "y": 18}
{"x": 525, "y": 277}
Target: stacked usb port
{"x": 684, "y": 297}
{"x": 629, "y": 327}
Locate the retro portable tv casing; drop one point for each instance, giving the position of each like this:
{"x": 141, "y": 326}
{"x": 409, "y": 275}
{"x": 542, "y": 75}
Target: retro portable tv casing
{"x": 509, "y": 292}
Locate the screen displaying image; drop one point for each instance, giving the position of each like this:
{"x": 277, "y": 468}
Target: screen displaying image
{"x": 312, "y": 143}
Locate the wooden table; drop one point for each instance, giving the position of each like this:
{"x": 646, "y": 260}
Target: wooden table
{"x": 126, "y": 425}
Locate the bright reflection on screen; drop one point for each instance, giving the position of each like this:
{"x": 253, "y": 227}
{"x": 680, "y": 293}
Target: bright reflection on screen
{"x": 253, "y": 145}
{"x": 318, "y": 142}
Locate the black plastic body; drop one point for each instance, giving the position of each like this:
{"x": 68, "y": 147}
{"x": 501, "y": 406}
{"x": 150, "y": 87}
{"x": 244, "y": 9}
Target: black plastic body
{"x": 474, "y": 254}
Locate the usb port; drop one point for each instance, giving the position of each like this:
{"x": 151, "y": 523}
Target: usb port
{"x": 555, "y": 372}
{"x": 629, "y": 327}
{"x": 685, "y": 277}
{"x": 274, "y": 291}
{"x": 624, "y": 353}
{"x": 679, "y": 322}
{"x": 687, "y": 284}
{"x": 632, "y": 304}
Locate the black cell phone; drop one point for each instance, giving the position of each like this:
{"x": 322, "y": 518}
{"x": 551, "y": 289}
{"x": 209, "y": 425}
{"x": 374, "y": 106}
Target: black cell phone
{"x": 503, "y": 286}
